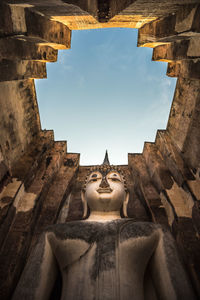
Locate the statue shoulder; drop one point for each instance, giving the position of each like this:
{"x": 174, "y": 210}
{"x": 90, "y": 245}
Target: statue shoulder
{"x": 132, "y": 228}
{"x": 71, "y": 230}
{"x": 62, "y": 230}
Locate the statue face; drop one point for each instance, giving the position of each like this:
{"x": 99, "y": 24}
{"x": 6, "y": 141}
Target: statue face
{"x": 105, "y": 192}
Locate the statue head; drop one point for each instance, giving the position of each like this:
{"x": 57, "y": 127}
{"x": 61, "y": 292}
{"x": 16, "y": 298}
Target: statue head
{"x": 105, "y": 190}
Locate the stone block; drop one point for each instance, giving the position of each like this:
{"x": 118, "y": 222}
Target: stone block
{"x": 20, "y": 213}
{"x": 70, "y": 15}
{"x": 19, "y": 115}
{"x": 173, "y": 69}
{"x": 26, "y": 48}
{"x": 169, "y": 209}
{"x": 9, "y": 192}
{"x": 194, "y": 47}
{"x": 21, "y": 69}
{"x": 145, "y": 187}
{"x": 12, "y": 19}
{"x": 10, "y": 269}
{"x": 183, "y": 124}
{"x": 175, "y": 27}
{"x": 6, "y": 26}
{"x": 173, "y": 158}
{"x": 28, "y": 204}
{"x": 172, "y": 52}
{"x": 18, "y": 18}
{"x": 195, "y": 187}
{"x": 187, "y": 19}
{"x": 150, "y": 34}
{"x": 185, "y": 68}
{"x": 25, "y": 167}
{"x": 3, "y": 170}
{"x": 159, "y": 173}
{"x": 188, "y": 245}
{"x": 181, "y": 200}
{"x": 56, "y": 34}
{"x": 57, "y": 193}
{"x": 141, "y": 175}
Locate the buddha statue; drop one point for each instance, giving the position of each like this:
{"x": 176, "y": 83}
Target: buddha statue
{"x": 105, "y": 257}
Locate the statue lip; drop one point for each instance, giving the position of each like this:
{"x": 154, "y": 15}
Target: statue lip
{"x": 104, "y": 190}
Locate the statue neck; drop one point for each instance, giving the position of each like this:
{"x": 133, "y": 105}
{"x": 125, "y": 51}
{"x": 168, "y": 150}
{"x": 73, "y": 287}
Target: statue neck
{"x": 102, "y": 216}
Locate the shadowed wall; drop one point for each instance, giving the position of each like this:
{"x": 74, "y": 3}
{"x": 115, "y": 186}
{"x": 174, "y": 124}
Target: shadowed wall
{"x": 40, "y": 181}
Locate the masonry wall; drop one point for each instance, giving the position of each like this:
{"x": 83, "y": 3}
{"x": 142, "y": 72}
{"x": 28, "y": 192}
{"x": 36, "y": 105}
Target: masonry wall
{"x": 40, "y": 182}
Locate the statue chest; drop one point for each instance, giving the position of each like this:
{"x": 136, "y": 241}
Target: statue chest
{"x": 106, "y": 260}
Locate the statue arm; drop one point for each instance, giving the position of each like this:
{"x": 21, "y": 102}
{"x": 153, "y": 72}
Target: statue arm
{"x": 169, "y": 277}
{"x": 39, "y": 274}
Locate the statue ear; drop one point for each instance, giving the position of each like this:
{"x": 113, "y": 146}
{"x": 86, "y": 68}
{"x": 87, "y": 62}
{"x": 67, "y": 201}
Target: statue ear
{"x": 85, "y": 208}
{"x": 125, "y": 205}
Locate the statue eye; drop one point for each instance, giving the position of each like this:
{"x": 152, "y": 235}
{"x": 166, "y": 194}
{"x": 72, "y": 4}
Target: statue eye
{"x": 93, "y": 179}
{"x": 115, "y": 179}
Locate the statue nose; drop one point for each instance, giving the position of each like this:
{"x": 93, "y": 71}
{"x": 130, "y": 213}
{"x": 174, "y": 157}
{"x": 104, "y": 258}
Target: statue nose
{"x": 104, "y": 183}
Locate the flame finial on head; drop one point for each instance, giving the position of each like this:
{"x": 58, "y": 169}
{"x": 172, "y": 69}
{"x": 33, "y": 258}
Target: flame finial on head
{"x": 104, "y": 168}
{"x": 106, "y": 160}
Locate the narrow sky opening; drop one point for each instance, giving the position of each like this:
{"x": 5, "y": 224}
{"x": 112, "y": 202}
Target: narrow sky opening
{"x": 105, "y": 93}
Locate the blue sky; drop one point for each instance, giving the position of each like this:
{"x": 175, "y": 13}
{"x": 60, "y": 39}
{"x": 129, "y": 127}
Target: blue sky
{"x": 105, "y": 93}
